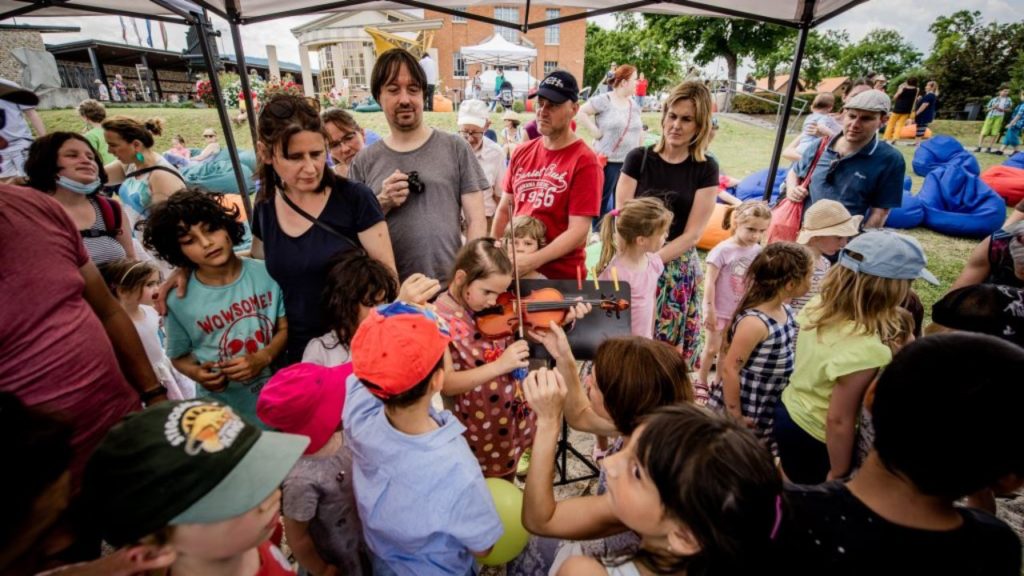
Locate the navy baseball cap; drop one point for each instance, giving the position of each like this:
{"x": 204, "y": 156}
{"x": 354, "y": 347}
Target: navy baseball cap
{"x": 558, "y": 87}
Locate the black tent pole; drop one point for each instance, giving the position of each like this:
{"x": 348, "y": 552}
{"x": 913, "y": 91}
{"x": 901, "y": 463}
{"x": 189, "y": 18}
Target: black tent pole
{"x": 222, "y": 111}
{"x": 243, "y": 73}
{"x": 780, "y": 133}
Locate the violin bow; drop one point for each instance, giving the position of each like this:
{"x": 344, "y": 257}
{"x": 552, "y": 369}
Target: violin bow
{"x": 515, "y": 266}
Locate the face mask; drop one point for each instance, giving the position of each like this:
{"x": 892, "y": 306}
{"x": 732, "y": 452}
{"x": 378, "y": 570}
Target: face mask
{"x": 78, "y": 187}
{"x": 1017, "y": 252}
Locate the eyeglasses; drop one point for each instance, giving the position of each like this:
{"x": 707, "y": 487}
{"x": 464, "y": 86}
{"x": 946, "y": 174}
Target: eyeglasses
{"x": 471, "y": 133}
{"x": 209, "y": 135}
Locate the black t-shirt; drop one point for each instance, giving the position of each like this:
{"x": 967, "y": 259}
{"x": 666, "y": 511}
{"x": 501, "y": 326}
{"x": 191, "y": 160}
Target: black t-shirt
{"x": 827, "y": 530}
{"x": 299, "y": 265}
{"x": 904, "y": 103}
{"x": 682, "y": 180}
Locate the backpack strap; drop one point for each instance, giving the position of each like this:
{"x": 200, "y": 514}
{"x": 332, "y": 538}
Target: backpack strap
{"x": 110, "y": 211}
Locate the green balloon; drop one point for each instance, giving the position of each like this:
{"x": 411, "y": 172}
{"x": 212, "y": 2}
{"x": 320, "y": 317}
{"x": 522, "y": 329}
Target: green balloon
{"x": 509, "y": 502}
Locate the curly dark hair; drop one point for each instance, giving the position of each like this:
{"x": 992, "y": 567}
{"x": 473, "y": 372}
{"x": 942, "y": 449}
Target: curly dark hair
{"x": 354, "y": 279}
{"x": 41, "y": 165}
{"x": 170, "y": 220}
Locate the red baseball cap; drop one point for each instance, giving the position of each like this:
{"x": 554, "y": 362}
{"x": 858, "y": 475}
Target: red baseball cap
{"x": 305, "y": 399}
{"x": 396, "y": 347}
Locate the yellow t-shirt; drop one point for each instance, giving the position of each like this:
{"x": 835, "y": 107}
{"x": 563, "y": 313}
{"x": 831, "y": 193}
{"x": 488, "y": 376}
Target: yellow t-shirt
{"x": 821, "y": 359}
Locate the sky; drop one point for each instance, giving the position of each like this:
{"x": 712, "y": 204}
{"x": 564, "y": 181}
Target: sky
{"x": 912, "y": 20}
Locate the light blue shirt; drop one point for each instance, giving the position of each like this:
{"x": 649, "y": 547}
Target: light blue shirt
{"x": 422, "y": 499}
{"x": 218, "y": 323}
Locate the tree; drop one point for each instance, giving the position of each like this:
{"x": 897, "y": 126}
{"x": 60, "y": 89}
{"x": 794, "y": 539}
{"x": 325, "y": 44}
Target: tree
{"x": 971, "y": 60}
{"x": 821, "y": 55}
{"x": 629, "y": 43}
{"x": 709, "y": 38}
{"x": 881, "y": 50}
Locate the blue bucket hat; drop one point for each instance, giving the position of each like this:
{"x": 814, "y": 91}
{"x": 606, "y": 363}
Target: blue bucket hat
{"x": 887, "y": 254}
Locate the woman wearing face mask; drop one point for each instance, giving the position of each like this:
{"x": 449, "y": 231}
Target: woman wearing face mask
{"x": 65, "y": 165}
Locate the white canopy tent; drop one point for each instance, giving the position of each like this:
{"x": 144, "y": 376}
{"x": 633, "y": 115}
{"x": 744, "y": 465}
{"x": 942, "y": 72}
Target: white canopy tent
{"x": 799, "y": 14}
{"x": 499, "y": 52}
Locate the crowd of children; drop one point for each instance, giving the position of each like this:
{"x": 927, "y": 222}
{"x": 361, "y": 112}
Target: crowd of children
{"x": 810, "y": 354}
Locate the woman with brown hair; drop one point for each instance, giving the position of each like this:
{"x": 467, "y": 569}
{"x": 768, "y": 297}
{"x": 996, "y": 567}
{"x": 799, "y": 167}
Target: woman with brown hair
{"x": 66, "y": 166}
{"x": 305, "y": 215}
{"x": 614, "y": 120}
{"x": 345, "y": 138}
{"x": 678, "y": 170}
{"x": 145, "y": 176}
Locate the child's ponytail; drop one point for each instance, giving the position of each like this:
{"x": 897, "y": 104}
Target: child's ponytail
{"x": 779, "y": 264}
{"x": 608, "y": 248}
{"x": 638, "y": 218}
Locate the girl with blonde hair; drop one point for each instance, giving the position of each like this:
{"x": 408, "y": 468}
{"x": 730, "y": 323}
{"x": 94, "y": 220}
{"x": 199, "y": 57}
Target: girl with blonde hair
{"x": 842, "y": 345}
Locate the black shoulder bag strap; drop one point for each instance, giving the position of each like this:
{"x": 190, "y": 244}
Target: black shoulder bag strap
{"x": 319, "y": 223}
{"x": 149, "y": 169}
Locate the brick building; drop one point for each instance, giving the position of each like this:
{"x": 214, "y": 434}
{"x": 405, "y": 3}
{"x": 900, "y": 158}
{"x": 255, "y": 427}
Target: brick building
{"x": 558, "y": 46}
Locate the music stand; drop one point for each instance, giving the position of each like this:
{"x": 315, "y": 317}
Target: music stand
{"x": 584, "y": 339}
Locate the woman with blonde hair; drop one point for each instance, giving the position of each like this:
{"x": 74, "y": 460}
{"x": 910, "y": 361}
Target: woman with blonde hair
{"x": 844, "y": 341}
{"x": 679, "y": 171}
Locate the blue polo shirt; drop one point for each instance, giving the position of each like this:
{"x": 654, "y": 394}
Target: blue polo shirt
{"x": 871, "y": 178}
{"x": 423, "y": 502}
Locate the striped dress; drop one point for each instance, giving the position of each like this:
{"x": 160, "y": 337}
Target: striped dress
{"x": 764, "y": 375}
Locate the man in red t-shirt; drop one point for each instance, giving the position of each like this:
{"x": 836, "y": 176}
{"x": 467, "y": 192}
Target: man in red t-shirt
{"x": 557, "y": 180}
{"x": 641, "y": 90}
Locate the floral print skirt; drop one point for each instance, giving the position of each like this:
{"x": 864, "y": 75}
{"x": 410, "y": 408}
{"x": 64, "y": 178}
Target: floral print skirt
{"x": 678, "y": 322}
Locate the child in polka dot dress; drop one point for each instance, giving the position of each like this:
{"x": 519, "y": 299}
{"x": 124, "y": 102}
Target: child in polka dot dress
{"x": 487, "y": 400}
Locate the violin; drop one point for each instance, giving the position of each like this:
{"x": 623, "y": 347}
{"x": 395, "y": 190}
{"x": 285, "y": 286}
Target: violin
{"x": 540, "y": 308}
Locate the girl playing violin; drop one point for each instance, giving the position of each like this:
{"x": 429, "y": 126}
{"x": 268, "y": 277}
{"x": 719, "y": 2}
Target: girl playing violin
{"x": 488, "y": 400}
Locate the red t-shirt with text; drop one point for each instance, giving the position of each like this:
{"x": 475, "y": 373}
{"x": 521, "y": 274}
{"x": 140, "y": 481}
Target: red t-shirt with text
{"x": 552, "y": 185}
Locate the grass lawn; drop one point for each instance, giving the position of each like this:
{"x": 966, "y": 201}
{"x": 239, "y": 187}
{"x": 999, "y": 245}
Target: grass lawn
{"x": 742, "y": 149}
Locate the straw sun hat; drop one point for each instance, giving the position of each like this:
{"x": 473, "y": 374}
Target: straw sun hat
{"x": 828, "y": 218}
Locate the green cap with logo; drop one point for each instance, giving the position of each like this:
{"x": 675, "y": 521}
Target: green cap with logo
{"x": 186, "y": 462}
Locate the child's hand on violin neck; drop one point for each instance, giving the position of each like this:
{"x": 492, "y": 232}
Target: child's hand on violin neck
{"x": 515, "y": 356}
{"x": 579, "y": 310}
{"x": 418, "y": 289}
{"x": 545, "y": 392}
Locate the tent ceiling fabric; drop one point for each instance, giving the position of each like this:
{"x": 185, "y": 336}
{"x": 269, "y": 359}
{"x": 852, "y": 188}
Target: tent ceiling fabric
{"x": 789, "y": 12}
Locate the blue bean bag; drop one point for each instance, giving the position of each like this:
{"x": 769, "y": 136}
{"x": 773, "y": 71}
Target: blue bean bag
{"x": 217, "y": 174}
{"x": 958, "y": 203}
{"x": 752, "y": 187}
{"x": 1015, "y": 161}
{"x": 942, "y": 150}
{"x": 909, "y": 215}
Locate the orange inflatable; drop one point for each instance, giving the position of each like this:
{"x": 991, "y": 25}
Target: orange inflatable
{"x": 442, "y": 104}
{"x": 714, "y": 233}
{"x": 1007, "y": 181}
{"x": 910, "y": 131}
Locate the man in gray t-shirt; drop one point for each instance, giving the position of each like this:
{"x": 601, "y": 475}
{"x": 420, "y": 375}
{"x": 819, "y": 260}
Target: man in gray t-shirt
{"x": 424, "y": 220}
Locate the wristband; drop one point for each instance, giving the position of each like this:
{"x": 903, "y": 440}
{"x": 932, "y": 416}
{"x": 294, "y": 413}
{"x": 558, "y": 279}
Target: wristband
{"x": 148, "y": 395}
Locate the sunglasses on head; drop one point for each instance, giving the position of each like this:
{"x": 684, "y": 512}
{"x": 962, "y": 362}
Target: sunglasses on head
{"x": 284, "y": 109}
